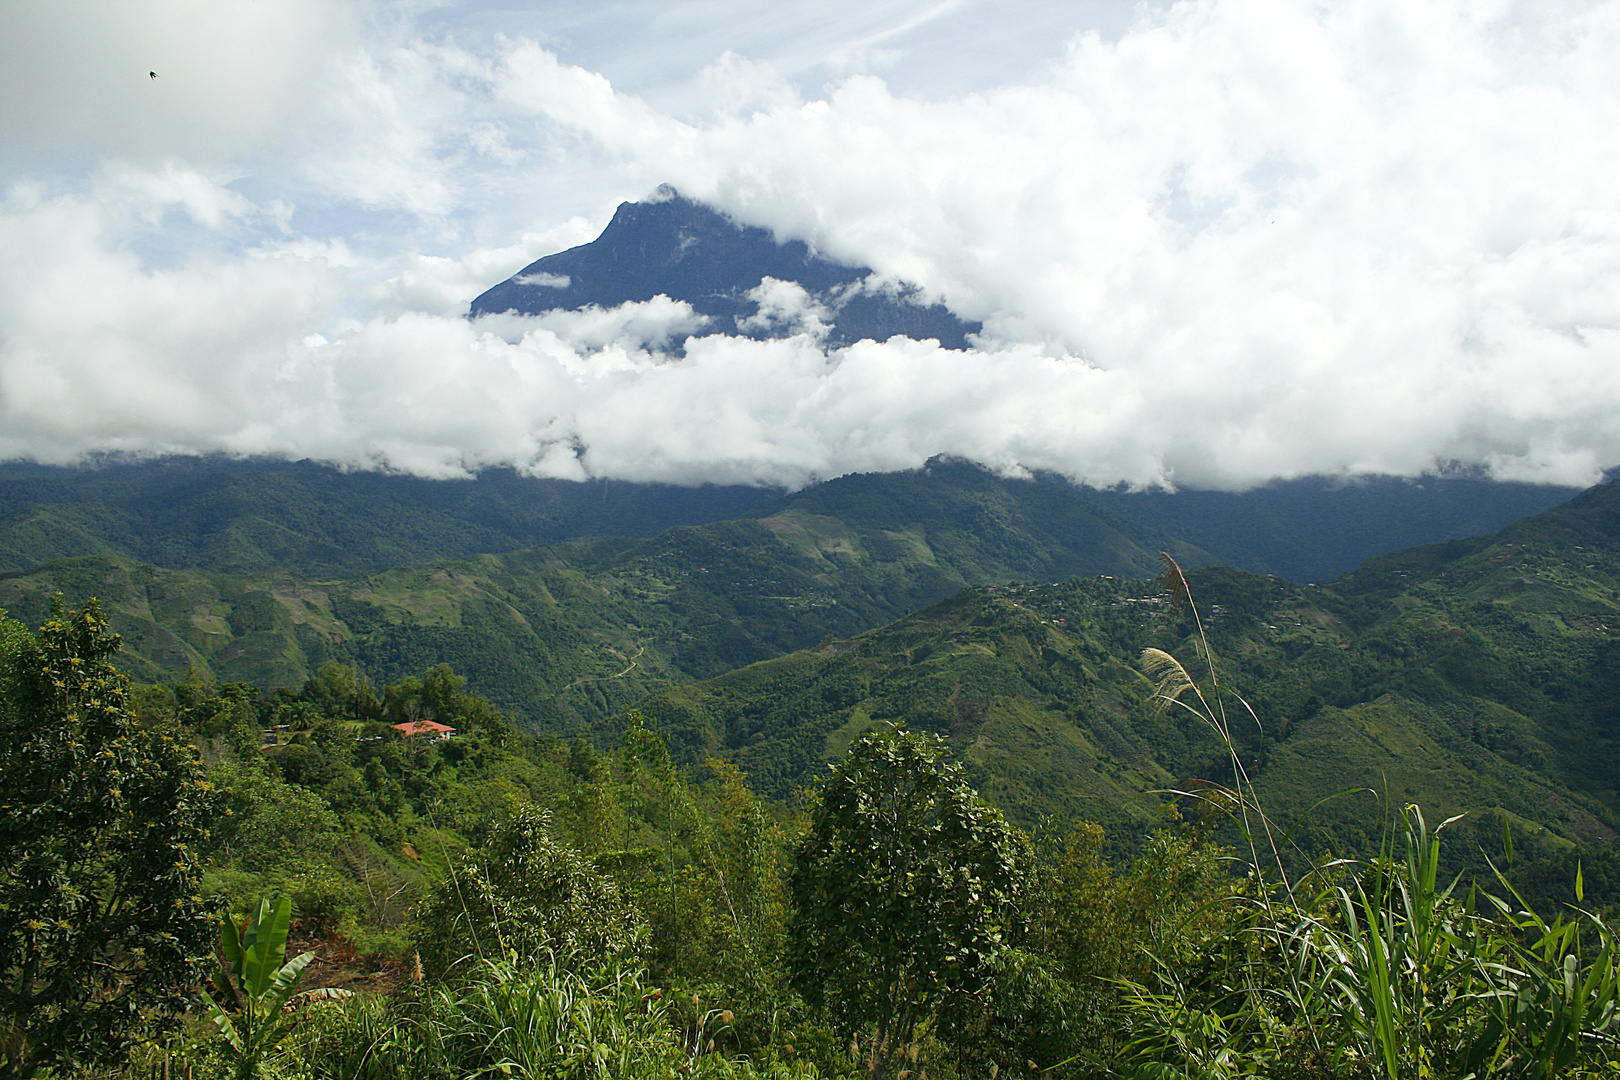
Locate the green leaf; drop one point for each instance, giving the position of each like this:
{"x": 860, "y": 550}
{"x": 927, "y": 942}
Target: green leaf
{"x": 268, "y": 949}
{"x": 285, "y": 982}
{"x": 222, "y": 1020}
{"x": 230, "y": 950}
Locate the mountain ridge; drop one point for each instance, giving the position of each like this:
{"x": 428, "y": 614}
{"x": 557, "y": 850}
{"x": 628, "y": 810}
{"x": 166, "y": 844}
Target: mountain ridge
{"x": 673, "y": 246}
{"x": 1476, "y": 675}
{"x": 251, "y": 517}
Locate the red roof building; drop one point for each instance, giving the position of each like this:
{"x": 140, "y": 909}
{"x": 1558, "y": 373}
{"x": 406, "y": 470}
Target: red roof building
{"x": 434, "y": 732}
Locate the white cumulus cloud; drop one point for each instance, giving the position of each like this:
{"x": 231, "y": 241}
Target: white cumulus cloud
{"x": 1229, "y": 241}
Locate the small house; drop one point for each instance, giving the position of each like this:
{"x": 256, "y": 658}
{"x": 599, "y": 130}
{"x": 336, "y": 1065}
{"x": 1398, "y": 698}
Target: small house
{"x": 426, "y": 728}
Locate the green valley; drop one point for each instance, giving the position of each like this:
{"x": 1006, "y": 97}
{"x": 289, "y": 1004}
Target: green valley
{"x": 648, "y": 732}
{"x": 1474, "y": 676}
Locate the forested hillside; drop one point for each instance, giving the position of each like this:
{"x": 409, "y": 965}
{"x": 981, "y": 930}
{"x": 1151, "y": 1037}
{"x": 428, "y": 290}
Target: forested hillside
{"x": 558, "y": 635}
{"x": 254, "y": 517}
{"x": 498, "y": 903}
{"x": 570, "y": 633}
{"x": 1473, "y": 676}
{"x": 227, "y": 516}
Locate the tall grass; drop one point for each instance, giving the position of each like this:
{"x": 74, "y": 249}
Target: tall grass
{"x": 526, "y": 1022}
{"x": 546, "y": 1021}
{"x": 1367, "y": 968}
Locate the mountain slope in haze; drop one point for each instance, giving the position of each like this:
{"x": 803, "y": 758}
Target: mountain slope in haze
{"x": 672, "y": 246}
{"x": 257, "y": 517}
{"x": 1479, "y": 675}
{"x": 691, "y": 603}
{"x": 1045, "y": 527}
{"x": 1315, "y": 529}
{"x": 254, "y": 517}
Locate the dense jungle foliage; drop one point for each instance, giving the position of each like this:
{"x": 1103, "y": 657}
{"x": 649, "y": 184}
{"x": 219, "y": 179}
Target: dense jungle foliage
{"x": 264, "y": 572}
{"x": 254, "y": 517}
{"x": 501, "y": 903}
{"x": 1442, "y": 699}
{"x": 697, "y": 819}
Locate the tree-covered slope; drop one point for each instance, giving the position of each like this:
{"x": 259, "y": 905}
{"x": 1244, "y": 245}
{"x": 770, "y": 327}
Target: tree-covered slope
{"x": 570, "y": 633}
{"x": 558, "y": 635}
{"x": 256, "y": 517}
{"x": 545, "y": 636}
{"x": 548, "y": 633}
{"x": 1481, "y": 675}
{"x": 1041, "y": 709}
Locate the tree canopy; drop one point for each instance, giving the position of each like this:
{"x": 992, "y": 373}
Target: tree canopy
{"x": 904, "y": 889}
{"x": 102, "y": 922}
{"x": 524, "y": 896}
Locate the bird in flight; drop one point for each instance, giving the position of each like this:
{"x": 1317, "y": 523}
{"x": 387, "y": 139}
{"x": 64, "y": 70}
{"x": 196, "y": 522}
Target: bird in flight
{"x": 152, "y": 73}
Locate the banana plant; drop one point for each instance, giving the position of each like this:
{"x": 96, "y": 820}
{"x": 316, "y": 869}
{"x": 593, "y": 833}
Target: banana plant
{"x": 255, "y": 980}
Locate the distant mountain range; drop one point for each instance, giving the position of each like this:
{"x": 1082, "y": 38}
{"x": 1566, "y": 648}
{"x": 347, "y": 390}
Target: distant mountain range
{"x": 254, "y": 517}
{"x": 248, "y": 517}
{"x": 261, "y": 574}
{"x": 1478, "y": 676}
{"x": 674, "y": 247}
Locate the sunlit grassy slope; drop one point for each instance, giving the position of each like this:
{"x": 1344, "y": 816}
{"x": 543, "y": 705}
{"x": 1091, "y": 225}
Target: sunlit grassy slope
{"x": 1480, "y": 675}
{"x": 1477, "y": 673}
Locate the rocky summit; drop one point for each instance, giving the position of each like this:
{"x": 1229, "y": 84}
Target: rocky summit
{"x": 672, "y": 246}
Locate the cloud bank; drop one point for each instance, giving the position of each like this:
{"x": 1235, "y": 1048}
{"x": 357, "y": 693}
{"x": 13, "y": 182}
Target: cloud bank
{"x": 1245, "y": 239}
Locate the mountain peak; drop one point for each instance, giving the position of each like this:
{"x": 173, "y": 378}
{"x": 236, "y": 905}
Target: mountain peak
{"x": 677, "y": 247}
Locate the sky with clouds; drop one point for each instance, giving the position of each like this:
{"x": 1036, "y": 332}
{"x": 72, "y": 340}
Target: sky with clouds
{"x": 1212, "y": 243}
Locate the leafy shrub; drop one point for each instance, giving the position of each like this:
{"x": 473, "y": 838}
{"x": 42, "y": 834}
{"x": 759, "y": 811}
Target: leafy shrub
{"x": 905, "y": 888}
{"x": 527, "y": 898}
{"x": 102, "y": 926}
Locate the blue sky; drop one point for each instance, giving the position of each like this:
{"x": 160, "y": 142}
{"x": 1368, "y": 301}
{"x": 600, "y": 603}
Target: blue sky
{"x": 1212, "y": 243}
